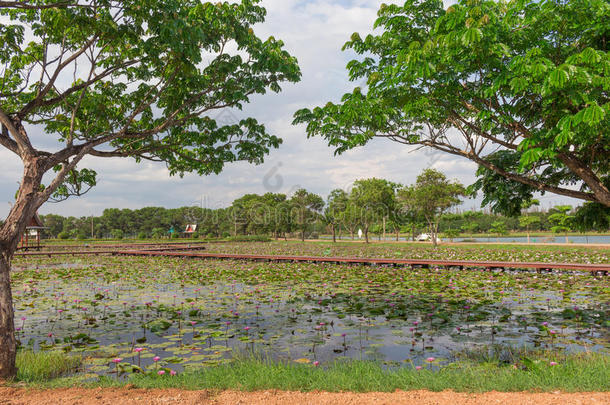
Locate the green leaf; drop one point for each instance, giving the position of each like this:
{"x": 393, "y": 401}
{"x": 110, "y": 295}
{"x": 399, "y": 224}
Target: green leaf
{"x": 593, "y": 114}
{"x": 471, "y": 36}
{"x": 558, "y": 77}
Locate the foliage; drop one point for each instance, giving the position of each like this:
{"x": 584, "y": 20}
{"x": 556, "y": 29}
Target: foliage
{"x": 520, "y": 88}
{"x": 452, "y": 233}
{"x": 372, "y": 200}
{"x": 335, "y": 211}
{"x": 561, "y": 219}
{"x": 63, "y": 235}
{"x": 117, "y": 234}
{"x": 432, "y": 195}
{"x": 591, "y": 216}
{"x": 306, "y": 209}
{"x": 499, "y": 228}
{"x": 526, "y": 221}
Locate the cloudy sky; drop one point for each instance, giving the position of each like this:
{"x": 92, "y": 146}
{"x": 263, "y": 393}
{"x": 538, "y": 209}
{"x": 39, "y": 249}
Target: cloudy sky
{"x": 313, "y": 31}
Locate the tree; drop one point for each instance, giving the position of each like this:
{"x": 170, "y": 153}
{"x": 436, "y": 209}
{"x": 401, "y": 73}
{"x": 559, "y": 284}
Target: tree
{"x": 592, "y": 216}
{"x": 373, "y": 199}
{"x": 407, "y": 207}
{"x": 527, "y": 220}
{"x": 336, "y": 206}
{"x": 499, "y": 228}
{"x": 520, "y": 88}
{"x": 434, "y": 194}
{"x": 306, "y": 208}
{"x": 561, "y": 220}
{"x": 110, "y": 78}
{"x": 452, "y": 233}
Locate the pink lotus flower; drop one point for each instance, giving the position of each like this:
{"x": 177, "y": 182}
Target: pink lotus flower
{"x": 418, "y": 368}
{"x": 160, "y": 372}
{"x": 172, "y": 372}
{"x": 138, "y": 349}
{"x": 316, "y": 363}
{"x": 430, "y": 359}
{"x": 117, "y": 360}
{"x": 552, "y": 363}
{"x": 156, "y": 359}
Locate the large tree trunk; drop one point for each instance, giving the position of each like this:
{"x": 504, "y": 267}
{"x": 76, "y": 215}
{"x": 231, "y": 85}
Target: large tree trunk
{"x": 366, "y": 234}
{"x": 10, "y": 233}
{"x": 8, "y": 346}
{"x": 334, "y": 233}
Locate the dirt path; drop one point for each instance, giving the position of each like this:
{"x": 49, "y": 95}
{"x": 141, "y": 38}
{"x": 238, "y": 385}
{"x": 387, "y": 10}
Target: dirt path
{"x": 74, "y": 396}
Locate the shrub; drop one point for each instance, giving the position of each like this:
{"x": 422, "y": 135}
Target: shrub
{"x": 142, "y": 235}
{"x": 117, "y": 234}
{"x": 63, "y": 235}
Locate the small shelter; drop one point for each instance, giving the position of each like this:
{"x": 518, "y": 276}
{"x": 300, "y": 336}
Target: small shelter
{"x": 31, "y": 237}
{"x": 190, "y": 230}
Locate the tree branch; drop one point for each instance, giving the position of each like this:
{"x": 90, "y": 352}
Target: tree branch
{"x": 7, "y": 142}
{"x": 21, "y": 139}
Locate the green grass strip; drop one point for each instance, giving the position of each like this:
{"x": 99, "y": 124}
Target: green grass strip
{"x": 590, "y": 372}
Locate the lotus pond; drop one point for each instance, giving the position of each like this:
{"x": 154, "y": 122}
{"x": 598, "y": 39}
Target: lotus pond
{"x": 128, "y": 314}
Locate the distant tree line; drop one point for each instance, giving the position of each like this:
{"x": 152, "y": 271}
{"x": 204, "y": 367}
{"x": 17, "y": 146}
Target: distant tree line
{"x": 376, "y": 206}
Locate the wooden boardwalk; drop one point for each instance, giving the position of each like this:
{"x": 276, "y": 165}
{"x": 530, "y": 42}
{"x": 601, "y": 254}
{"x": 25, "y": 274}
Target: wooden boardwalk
{"x": 87, "y": 246}
{"x": 593, "y": 268}
{"x": 106, "y": 251}
{"x": 193, "y": 250}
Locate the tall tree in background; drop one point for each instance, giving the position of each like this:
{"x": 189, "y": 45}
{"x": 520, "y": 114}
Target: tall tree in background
{"x": 520, "y": 88}
{"x": 110, "y": 78}
{"x": 526, "y": 220}
{"x": 407, "y": 206}
{"x": 336, "y": 206}
{"x": 561, "y": 219}
{"x": 374, "y": 200}
{"x": 306, "y": 209}
{"x": 433, "y": 195}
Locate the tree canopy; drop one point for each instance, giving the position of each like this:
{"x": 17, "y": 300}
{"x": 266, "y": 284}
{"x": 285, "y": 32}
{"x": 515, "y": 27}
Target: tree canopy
{"x": 521, "y": 88}
{"x": 431, "y": 196}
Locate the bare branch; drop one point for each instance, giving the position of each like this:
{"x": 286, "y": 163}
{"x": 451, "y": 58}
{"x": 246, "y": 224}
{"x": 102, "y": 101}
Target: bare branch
{"x": 36, "y": 102}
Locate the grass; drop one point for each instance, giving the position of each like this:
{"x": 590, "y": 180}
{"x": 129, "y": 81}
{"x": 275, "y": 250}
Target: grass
{"x": 43, "y": 366}
{"x": 574, "y": 373}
